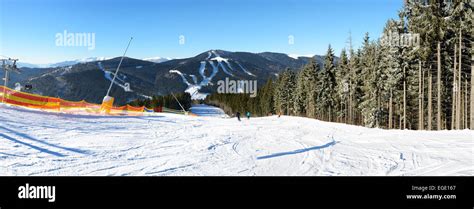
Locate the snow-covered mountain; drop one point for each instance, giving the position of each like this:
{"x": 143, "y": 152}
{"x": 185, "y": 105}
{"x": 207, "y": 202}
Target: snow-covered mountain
{"x": 61, "y": 64}
{"x": 84, "y": 60}
{"x": 89, "y": 78}
{"x": 297, "y": 56}
{"x": 213, "y": 63}
{"x": 73, "y": 62}
{"x": 200, "y": 74}
{"x": 157, "y": 59}
{"x": 40, "y": 143}
{"x": 30, "y": 65}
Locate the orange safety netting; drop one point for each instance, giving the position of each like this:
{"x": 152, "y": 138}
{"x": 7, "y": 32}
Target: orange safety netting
{"x": 10, "y": 96}
{"x": 13, "y": 97}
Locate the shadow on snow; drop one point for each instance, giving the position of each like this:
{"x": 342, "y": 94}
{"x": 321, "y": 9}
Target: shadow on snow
{"x": 26, "y": 136}
{"x": 297, "y": 151}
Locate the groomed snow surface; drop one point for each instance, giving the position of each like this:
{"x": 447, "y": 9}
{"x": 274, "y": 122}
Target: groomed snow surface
{"x": 40, "y": 143}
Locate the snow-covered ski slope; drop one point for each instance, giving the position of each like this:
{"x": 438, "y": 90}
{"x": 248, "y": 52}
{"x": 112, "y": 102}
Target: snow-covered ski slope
{"x": 40, "y": 143}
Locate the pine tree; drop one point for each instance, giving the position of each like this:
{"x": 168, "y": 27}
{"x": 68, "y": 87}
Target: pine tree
{"x": 305, "y": 94}
{"x": 342, "y": 88}
{"x": 283, "y": 95}
{"x": 372, "y": 85}
{"x": 327, "y": 85}
{"x": 300, "y": 96}
{"x": 459, "y": 34}
{"x": 355, "y": 87}
{"x": 265, "y": 95}
{"x": 391, "y": 65}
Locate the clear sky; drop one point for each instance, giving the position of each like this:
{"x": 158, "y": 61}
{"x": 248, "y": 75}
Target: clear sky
{"x": 28, "y": 28}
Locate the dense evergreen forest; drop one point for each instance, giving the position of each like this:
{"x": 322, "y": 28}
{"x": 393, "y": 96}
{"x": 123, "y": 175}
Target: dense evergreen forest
{"x": 168, "y": 101}
{"x": 419, "y": 76}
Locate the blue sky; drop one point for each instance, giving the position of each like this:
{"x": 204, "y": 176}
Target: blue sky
{"x": 28, "y": 28}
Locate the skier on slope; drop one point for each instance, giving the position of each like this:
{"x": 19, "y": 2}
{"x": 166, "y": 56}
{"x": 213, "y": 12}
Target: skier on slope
{"x": 248, "y": 115}
{"x": 238, "y": 115}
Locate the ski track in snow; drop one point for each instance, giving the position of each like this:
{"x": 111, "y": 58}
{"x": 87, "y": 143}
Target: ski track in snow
{"x": 40, "y": 143}
{"x": 245, "y": 70}
{"x": 182, "y": 76}
{"x": 225, "y": 69}
{"x": 194, "y": 78}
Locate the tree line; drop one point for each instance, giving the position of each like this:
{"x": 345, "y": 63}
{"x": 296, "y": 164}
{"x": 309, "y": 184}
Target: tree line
{"x": 169, "y": 101}
{"x": 418, "y": 76}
